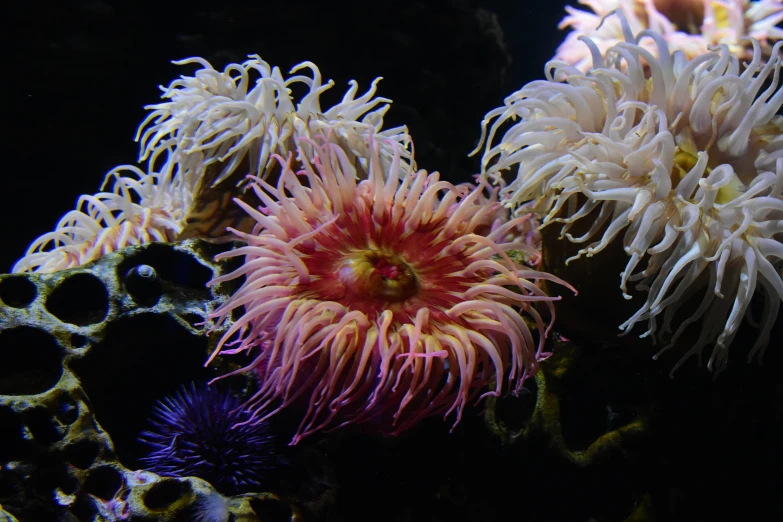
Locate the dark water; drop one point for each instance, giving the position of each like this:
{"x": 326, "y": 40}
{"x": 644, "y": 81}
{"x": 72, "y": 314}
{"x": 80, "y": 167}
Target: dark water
{"x": 85, "y": 70}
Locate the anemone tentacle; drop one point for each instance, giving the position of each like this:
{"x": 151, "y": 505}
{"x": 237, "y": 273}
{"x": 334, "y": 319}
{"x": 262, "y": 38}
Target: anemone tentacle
{"x": 223, "y": 118}
{"x": 141, "y": 207}
{"x": 691, "y": 26}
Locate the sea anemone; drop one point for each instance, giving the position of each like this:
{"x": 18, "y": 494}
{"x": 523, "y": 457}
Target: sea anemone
{"x": 684, "y": 156}
{"x": 213, "y": 123}
{"x": 201, "y": 432}
{"x": 386, "y": 300}
{"x": 142, "y": 207}
{"x": 690, "y": 26}
{"x": 212, "y": 507}
{"x": 225, "y": 118}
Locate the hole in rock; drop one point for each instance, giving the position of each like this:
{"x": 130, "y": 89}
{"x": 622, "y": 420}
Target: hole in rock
{"x": 84, "y": 509}
{"x": 140, "y": 360}
{"x": 13, "y": 445}
{"x": 174, "y": 267}
{"x": 67, "y": 409}
{"x": 68, "y": 484}
{"x": 80, "y": 299}
{"x": 82, "y": 453}
{"x": 143, "y": 285}
{"x": 45, "y": 428}
{"x": 17, "y": 291}
{"x": 164, "y": 493}
{"x": 50, "y": 475}
{"x": 78, "y": 340}
{"x": 104, "y": 482}
{"x": 29, "y": 361}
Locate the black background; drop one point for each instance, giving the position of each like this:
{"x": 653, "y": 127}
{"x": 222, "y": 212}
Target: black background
{"x": 80, "y": 73}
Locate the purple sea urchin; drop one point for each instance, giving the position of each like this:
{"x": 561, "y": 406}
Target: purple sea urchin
{"x": 200, "y": 432}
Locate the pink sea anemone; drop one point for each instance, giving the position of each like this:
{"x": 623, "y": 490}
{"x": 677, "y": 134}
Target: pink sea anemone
{"x": 386, "y": 300}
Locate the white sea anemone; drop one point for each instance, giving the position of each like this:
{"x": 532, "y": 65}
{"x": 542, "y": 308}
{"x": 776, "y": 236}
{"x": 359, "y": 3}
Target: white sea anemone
{"x": 215, "y": 118}
{"x": 691, "y": 26}
{"x": 142, "y": 207}
{"x": 685, "y": 157}
{"x": 212, "y": 507}
{"x": 226, "y": 117}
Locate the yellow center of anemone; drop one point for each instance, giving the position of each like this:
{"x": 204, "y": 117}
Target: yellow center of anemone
{"x": 721, "y": 14}
{"x": 379, "y": 275}
{"x": 684, "y": 161}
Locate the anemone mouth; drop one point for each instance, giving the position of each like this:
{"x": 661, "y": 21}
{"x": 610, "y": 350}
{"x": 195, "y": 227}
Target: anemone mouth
{"x": 689, "y": 144}
{"x": 378, "y": 274}
{"x": 371, "y": 267}
{"x": 685, "y": 161}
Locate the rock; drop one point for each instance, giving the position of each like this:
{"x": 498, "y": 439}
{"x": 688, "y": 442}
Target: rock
{"x": 84, "y": 353}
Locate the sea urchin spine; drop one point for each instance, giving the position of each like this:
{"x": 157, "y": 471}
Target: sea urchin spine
{"x": 200, "y": 432}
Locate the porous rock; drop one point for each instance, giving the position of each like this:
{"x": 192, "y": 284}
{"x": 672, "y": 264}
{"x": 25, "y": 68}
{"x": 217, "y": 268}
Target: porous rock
{"x": 84, "y": 353}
